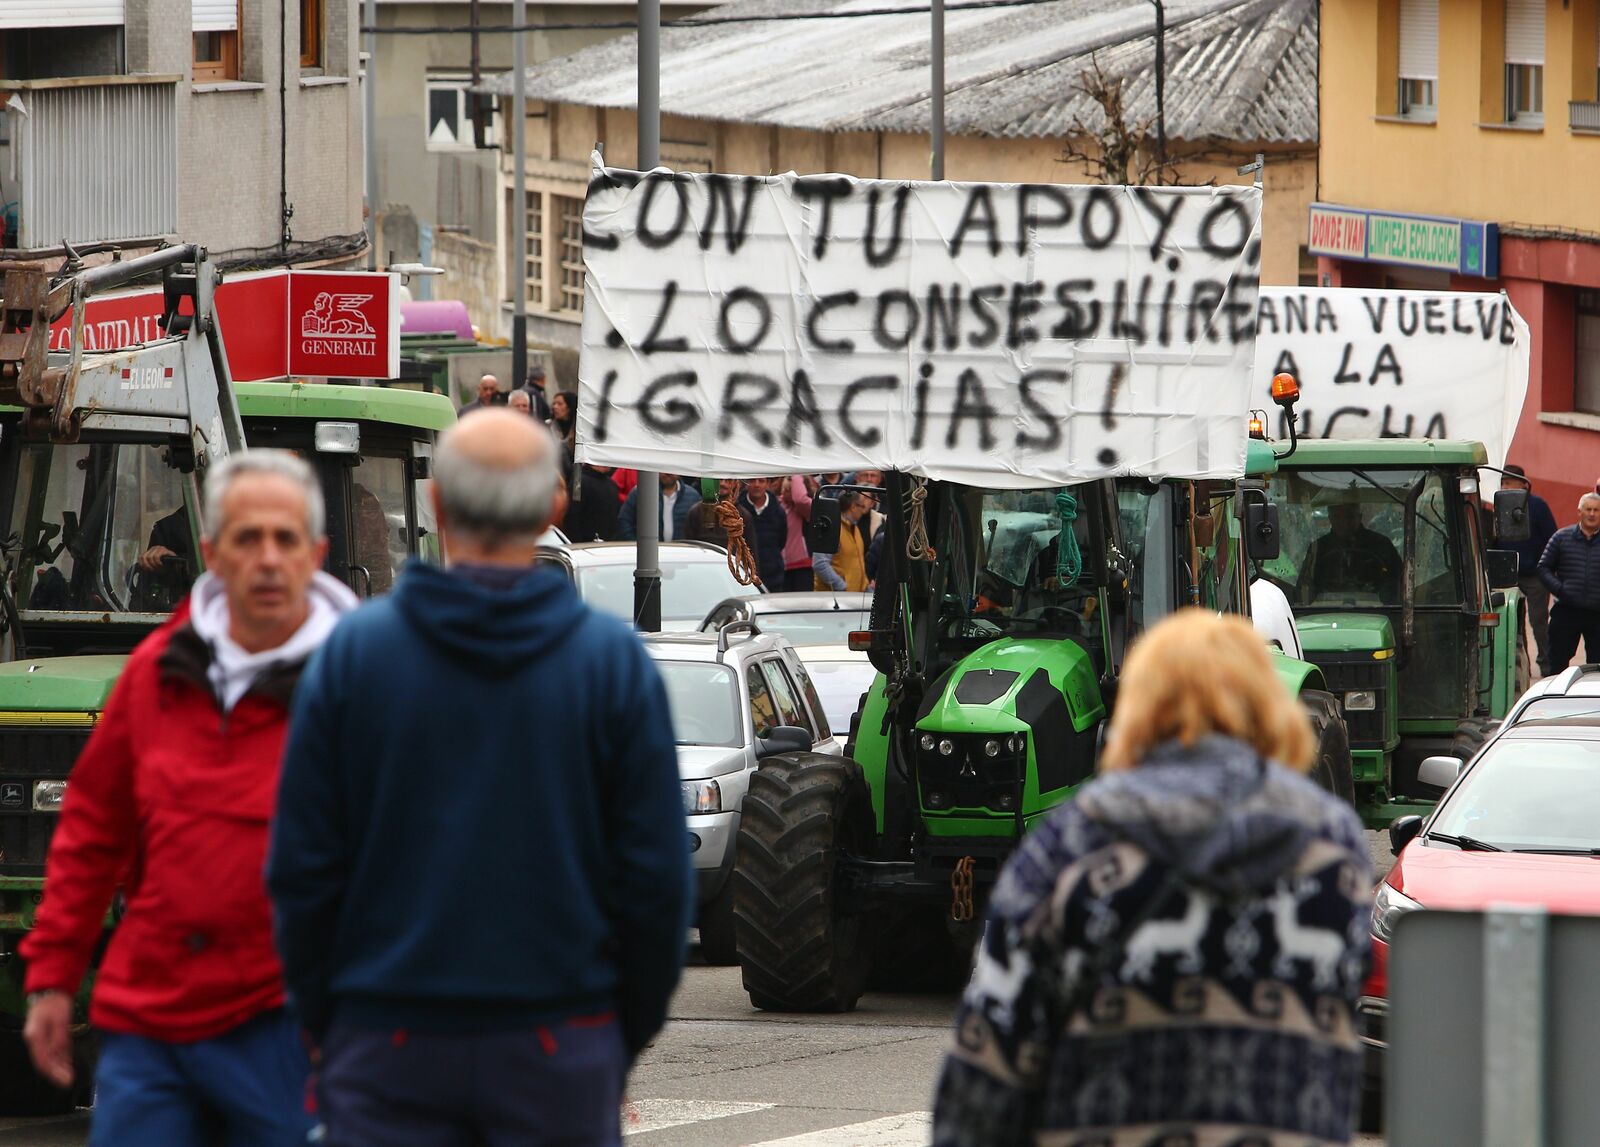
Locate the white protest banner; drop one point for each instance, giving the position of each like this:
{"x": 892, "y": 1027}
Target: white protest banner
{"x": 996, "y": 334}
{"x": 1398, "y": 364}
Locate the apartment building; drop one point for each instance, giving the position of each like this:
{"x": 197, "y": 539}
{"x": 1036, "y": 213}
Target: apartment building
{"x": 231, "y": 123}
{"x": 1460, "y": 151}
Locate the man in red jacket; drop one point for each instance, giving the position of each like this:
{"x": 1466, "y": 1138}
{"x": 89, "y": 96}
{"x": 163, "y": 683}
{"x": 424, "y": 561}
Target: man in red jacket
{"x": 171, "y": 798}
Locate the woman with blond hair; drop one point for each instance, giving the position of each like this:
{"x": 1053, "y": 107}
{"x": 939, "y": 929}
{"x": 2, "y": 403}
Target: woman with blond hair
{"x": 1174, "y": 956}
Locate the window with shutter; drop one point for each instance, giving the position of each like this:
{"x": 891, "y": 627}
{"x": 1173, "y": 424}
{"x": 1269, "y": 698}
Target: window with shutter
{"x": 1525, "y": 61}
{"x": 216, "y": 39}
{"x": 1419, "y": 58}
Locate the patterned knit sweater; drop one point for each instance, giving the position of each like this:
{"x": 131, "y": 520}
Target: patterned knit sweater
{"x": 1226, "y": 1019}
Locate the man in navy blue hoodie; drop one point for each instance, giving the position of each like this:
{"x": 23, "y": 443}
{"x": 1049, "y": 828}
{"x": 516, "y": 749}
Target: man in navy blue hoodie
{"x": 481, "y": 907}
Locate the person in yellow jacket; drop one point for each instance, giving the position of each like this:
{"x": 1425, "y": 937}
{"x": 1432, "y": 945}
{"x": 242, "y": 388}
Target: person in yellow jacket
{"x": 847, "y": 569}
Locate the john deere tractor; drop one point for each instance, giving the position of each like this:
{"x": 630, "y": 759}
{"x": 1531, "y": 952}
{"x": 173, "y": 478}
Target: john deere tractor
{"x": 1000, "y": 625}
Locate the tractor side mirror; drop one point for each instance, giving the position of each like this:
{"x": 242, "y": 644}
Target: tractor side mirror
{"x": 1502, "y": 567}
{"x": 1262, "y": 540}
{"x": 822, "y": 531}
{"x": 1511, "y": 523}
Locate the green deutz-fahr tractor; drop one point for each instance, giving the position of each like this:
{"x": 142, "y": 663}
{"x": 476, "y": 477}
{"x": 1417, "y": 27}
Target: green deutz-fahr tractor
{"x": 94, "y": 473}
{"x": 1000, "y": 624}
{"x": 1415, "y": 622}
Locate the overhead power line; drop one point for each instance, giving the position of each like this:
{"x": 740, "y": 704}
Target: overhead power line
{"x": 699, "y": 21}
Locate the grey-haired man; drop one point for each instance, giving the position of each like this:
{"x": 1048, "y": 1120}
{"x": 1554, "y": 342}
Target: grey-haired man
{"x": 481, "y": 912}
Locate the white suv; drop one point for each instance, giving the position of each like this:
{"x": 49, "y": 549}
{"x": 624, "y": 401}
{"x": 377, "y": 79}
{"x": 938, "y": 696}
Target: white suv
{"x": 736, "y": 696}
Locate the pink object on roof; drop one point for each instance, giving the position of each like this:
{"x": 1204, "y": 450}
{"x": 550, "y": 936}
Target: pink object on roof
{"x": 442, "y": 317}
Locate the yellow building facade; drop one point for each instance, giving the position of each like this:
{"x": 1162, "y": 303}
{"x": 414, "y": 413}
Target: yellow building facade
{"x": 1483, "y": 117}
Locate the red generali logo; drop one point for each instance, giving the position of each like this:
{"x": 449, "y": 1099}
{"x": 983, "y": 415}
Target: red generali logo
{"x": 344, "y": 324}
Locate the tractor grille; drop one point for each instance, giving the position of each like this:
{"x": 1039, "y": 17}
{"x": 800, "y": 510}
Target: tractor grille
{"x": 1368, "y": 727}
{"x": 27, "y": 756}
{"x": 968, "y": 778}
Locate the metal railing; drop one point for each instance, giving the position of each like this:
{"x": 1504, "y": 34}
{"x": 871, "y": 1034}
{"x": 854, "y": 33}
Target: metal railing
{"x": 1583, "y": 115}
{"x": 95, "y": 158}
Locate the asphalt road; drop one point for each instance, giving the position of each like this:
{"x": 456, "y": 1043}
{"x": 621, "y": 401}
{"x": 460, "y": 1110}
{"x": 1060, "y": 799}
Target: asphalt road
{"x": 725, "y": 1075}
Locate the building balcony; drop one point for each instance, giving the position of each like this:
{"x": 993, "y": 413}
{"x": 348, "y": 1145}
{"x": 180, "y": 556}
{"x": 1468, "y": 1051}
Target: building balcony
{"x": 1583, "y": 116}
{"x": 88, "y": 158}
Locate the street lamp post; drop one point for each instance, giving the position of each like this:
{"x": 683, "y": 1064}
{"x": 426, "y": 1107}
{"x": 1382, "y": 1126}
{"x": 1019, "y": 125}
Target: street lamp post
{"x": 647, "y": 495}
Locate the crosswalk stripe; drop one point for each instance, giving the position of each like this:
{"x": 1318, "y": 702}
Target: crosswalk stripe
{"x": 641, "y": 1115}
{"x": 910, "y": 1129}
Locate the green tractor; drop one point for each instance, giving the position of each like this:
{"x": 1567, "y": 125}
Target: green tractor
{"x": 1415, "y": 622}
{"x": 1000, "y": 625}
{"x": 95, "y": 476}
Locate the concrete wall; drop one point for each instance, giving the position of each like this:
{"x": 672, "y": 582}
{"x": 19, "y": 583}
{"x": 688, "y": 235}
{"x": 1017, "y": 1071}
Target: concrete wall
{"x": 1468, "y": 164}
{"x": 471, "y": 274}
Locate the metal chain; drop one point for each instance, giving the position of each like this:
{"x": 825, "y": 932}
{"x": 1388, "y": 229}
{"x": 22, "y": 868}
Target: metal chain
{"x": 741, "y": 562}
{"x": 961, "y": 890}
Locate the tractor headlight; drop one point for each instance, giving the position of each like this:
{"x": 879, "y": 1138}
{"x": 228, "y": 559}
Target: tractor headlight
{"x": 1016, "y": 742}
{"x": 946, "y": 747}
{"x": 702, "y": 796}
{"x": 991, "y": 748}
{"x": 928, "y": 742}
{"x": 48, "y": 795}
{"x": 1388, "y": 906}
{"x": 1361, "y": 699}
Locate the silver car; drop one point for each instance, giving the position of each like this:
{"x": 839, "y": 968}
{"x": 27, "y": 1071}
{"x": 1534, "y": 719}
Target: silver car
{"x": 736, "y": 696}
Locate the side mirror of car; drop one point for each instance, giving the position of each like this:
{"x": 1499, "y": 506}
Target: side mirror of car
{"x": 1502, "y": 567}
{"x": 822, "y": 531}
{"x": 1511, "y": 522}
{"x": 1440, "y": 772}
{"x": 1403, "y": 831}
{"x": 783, "y": 739}
{"x": 1261, "y": 531}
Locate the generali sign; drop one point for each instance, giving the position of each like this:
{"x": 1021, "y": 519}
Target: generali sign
{"x": 275, "y": 324}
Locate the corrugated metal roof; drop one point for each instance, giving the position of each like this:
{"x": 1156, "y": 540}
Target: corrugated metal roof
{"x": 1242, "y": 70}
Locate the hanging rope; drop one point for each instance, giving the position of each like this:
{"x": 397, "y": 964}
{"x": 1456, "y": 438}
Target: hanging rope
{"x": 1069, "y": 559}
{"x": 741, "y": 562}
{"x": 917, "y": 548}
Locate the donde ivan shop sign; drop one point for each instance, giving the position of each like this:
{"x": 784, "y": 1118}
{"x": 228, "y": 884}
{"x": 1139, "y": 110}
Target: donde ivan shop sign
{"x": 999, "y": 334}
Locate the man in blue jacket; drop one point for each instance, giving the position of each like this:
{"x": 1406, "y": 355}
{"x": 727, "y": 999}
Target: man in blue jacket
{"x": 481, "y": 913}
{"x": 1570, "y": 569}
{"x": 677, "y": 499}
{"x": 1542, "y": 527}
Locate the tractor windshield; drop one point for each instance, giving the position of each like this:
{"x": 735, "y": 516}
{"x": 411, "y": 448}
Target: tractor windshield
{"x": 104, "y": 528}
{"x": 1011, "y": 572}
{"x": 1345, "y": 537}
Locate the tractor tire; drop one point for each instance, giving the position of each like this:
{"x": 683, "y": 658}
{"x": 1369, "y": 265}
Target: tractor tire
{"x": 1331, "y": 767}
{"x": 1472, "y": 733}
{"x": 799, "y": 952}
{"x": 717, "y": 945}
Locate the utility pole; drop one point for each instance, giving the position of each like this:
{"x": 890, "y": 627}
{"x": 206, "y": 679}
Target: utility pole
{"x": 936, "y": 93}
{"x": 519, "y": 193}
{"x": 647, "y": 509}
{"x": 371, "y": 97}
{"x": 1161, "y": 92}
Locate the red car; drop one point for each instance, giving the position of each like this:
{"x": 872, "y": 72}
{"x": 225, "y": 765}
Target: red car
{"x": 1520, "y": 826}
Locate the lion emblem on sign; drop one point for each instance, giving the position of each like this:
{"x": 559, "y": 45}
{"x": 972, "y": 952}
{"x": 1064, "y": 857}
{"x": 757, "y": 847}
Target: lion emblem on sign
{"x": 338, "y": 315}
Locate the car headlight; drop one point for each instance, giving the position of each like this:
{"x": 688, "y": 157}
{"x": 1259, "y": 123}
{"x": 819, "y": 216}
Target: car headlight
{"x": 1359, "y": 699}
{"x": 702, "y": 796}
{"x": 1388, "y": 906}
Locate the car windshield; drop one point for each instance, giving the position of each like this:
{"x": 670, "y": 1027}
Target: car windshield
{"x": 1560, "y": 707}
{"x": 689, "y": 589}
{"x": 1529, "y": 794}
{"x": 840, "y": 685}
{"x": 814, "y": 627}
{"x": 704, "y": 700}
{"x": 86, "y": 514}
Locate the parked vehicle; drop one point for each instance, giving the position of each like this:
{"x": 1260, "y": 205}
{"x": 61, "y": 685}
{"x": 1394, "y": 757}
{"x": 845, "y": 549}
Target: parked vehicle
{"x": 737, "y": 697}
{"x": 1520, "y": 823}
{"x": 813, "y": 617}
{"x": 694, "y": 578}
{"x": 843, "y": 677}
{"x": 1573, "y": 692}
